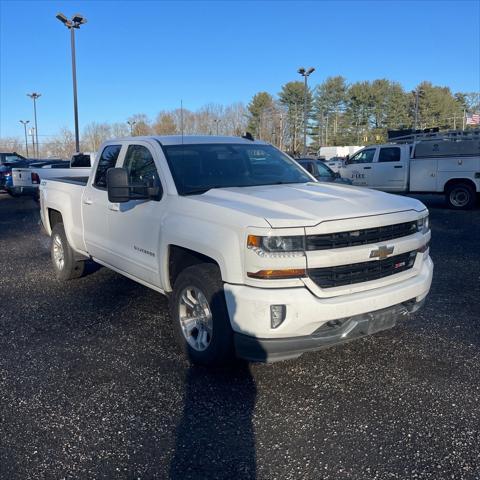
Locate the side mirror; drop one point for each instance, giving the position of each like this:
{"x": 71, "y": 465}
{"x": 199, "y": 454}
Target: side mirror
{"x": 337, "y": 175}
{"x": 117, "y": 185}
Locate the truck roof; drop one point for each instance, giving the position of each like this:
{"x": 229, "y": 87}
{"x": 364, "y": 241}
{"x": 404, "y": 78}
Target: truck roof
{"x": 193, "y": 139}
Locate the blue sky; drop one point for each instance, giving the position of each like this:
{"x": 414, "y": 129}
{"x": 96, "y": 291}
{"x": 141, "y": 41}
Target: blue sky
{"x": 145, "y": 56}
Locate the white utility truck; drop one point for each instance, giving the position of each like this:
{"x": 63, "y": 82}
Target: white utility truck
{"x": 447, "y": 163}
{"x": 256, "y": 256}
{"x": 25, "y": 181}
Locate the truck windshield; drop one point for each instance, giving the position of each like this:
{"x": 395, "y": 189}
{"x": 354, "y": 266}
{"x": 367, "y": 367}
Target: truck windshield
{"x": 198, "y": 168}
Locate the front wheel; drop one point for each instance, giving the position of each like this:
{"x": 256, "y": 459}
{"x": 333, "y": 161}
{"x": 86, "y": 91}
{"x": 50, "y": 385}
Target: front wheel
{"x": 63, "y": 256}
{"x": 200, "y": 317}
{"x": 461, "y": 196}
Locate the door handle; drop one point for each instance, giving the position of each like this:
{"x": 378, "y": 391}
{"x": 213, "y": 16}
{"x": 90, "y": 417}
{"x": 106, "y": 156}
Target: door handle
{"x": 398, "y": 166}
{"x": 367, "y": 168}
{"x": 114, "y": 207}
{"x": 87, "y": 201}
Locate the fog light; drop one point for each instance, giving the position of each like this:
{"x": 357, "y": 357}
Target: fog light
{"x": 277, "y": 315}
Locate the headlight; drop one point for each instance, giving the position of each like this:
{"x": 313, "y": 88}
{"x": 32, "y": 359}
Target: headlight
{"x": 276, "y": 245}
{"x": 423, "y": 224}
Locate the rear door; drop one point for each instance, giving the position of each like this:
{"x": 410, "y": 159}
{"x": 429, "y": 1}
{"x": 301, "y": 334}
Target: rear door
{"x": 389, "y": 171}
{"x": 359, "y": 167}
{"x": 95, "y": 206}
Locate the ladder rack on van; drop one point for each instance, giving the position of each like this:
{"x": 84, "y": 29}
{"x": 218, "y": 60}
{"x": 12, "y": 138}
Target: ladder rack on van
{"x": 449, "y": 135}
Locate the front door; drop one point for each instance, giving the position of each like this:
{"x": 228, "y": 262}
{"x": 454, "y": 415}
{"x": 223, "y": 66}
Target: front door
{"x": 359, "y": 168}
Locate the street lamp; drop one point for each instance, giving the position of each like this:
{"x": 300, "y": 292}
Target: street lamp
{"x": 216, "y": 120}
{"x": 132, "y": 124}
{"x": 35, "y": 96}
{"x": 305, "y": 74}
{"x": 24, "y": 123}
{"x": 72, "y": 24}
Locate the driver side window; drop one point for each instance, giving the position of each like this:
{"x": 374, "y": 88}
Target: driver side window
{"x": 141, "y": 167}
{"x": 365, "y": 156}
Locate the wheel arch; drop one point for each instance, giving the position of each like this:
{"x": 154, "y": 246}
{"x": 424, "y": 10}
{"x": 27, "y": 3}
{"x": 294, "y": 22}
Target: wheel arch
{"x": 454, "y": 181}
{"x": 180, "y": 258}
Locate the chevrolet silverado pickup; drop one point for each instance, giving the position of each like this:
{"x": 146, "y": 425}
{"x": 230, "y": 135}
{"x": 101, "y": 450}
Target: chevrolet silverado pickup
{"x": 258, "y": 259}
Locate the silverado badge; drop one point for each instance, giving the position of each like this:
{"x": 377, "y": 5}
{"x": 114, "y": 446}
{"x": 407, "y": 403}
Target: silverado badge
{"x": 381, "y": 252}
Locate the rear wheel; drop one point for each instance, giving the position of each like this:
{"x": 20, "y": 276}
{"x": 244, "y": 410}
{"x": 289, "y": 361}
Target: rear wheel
{"x": 200, "y": 317}
{"x": 461, "y": 196}
{"x": 63, "y": 257}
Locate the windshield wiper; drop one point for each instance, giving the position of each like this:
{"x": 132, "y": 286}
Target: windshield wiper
{"x": 199, "y": 191}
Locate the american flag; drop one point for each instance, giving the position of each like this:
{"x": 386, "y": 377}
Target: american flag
{"x": 473, "y": 119}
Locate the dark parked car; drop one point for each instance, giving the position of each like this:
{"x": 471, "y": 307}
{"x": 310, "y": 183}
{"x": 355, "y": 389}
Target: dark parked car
{"x": 9, "y": 160}
{"x": 321, "y": 171}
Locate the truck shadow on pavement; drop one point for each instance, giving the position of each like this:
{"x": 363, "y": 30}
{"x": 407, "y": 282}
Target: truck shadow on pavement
{"x": 215, "y": 437}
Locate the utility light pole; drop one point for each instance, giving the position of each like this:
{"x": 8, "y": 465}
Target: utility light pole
{"x": 24, "y": 123}
{"x": 32, "y": 134}
{"x": 132, "y": 124}
{"x": 35, "y": 96}
{"x": 72, "y": 24}
{"x": 305, "y": 74}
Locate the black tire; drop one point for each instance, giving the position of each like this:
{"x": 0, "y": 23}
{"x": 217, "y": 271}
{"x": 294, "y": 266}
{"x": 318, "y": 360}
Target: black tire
{"x": 205, "y": 278}
{"x": 13, "y": 194}
{"x": 70, "y": 268}
{"x": 461, "y": 196}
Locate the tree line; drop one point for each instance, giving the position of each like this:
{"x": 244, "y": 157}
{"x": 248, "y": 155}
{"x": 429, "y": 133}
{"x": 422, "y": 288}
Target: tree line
{"x": 338, "y": 113}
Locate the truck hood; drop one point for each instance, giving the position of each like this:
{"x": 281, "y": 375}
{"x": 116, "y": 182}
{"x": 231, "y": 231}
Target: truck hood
{"x": 307, "y": 205}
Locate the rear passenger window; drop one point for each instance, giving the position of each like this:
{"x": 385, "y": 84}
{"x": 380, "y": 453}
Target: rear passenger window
{"x": 107, "y": 160}
{"x": 390, "y": 154}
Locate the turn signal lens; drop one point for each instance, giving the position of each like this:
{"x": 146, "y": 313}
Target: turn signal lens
{"x": 278, "y": 274}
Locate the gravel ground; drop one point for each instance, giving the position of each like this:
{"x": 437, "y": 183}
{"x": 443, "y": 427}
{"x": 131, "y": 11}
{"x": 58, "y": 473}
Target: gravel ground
{"x": 92, "y": 386}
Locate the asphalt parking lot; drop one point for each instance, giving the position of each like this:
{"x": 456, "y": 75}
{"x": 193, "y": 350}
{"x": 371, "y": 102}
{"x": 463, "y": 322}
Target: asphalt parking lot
{"x": 92, "y": 385}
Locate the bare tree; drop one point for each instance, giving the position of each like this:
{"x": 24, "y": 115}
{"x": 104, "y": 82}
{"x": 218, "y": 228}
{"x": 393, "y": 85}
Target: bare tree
{"x": 12, "y": 144}
{"x": 94, "y": 134}
{"x": 141, "y": 124}
{"x": 119, "y": 130}
{"x": 61, "y": 146}
{"x": 165, "y": 124}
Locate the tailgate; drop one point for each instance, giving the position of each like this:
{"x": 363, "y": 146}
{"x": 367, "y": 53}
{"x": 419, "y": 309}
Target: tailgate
{"x": 22, "y": 177}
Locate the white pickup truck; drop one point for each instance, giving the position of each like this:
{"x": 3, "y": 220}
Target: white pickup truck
{"x": 26, "y": 180}
{"x": 431, "y": 166}
{"x": 256, "y": 256}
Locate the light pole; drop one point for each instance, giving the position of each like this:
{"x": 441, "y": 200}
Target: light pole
{"x": 72, "y": 24}
{"x": 35, "y": 96}
{"x": 24, "y": 123}
{"x": 32, "y": 134}
{"x": 132, "y": 124}
{"x": 305, "y": 74}
{"x": 216, "y": 120}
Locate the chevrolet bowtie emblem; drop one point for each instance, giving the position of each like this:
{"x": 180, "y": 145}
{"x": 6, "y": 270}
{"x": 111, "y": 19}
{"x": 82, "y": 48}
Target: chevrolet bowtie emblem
{"x": 381, "y": 252}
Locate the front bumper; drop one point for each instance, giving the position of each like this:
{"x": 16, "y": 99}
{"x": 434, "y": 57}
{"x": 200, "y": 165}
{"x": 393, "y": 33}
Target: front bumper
{"x": 331, "y": 333}
{"x": 307, "y": 314}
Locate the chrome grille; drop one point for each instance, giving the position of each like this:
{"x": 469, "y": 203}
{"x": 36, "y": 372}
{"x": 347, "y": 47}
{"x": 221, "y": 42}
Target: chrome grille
{"x": 360, "y": 237}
